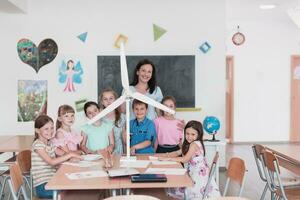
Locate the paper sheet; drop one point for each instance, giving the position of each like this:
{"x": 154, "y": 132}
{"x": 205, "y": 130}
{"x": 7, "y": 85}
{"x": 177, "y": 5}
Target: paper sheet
{"x": 86, "y": 175}
{"x": 160, "y": 162}
{"x": 131, "y": 158}
{"x": 154, "y": 160}
{"x": 135, "y": 164}
{"x": 82, "y": 164}
{"x": 167, "y": 171}
{"x": 122, "y": 172}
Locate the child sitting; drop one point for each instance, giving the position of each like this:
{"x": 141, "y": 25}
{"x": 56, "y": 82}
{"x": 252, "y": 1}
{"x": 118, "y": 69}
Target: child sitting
{"x": 142, "y": 130}
{"x": 66, "y": 139}
{"x": 43, "y": 159}
{"x": 193, "y": 153}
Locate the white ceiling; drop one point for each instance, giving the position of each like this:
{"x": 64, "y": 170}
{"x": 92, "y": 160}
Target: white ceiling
{"x": 13, "y": 6}
{"x": 249, "y": 9}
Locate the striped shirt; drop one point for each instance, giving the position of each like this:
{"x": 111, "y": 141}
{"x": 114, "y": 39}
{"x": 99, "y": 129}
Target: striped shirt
{"x": 41, "y": 171}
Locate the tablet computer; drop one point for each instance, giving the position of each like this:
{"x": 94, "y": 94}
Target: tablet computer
{"x": 144, "y": 178}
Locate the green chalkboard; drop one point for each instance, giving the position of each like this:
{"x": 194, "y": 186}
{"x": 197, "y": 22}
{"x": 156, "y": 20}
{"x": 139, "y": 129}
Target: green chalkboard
{"x": 175, "y": 75}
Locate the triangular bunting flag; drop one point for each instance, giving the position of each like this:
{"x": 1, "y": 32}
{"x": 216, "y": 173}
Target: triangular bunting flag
{"x": 158, "y": 32}
{"x": 82, "y": 36}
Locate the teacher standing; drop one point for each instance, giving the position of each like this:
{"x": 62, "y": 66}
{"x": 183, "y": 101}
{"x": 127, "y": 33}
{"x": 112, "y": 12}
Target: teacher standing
{"x": 144, "y": 82}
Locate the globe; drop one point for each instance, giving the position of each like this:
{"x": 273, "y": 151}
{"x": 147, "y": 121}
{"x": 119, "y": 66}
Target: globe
{"x": 211, "y": 125}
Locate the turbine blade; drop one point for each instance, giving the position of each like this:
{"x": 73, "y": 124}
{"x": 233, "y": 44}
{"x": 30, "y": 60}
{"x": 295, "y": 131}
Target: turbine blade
{"x": 124, "y": 72}
{"x": 107, "y": 110}
{"x": 152, "y": 102}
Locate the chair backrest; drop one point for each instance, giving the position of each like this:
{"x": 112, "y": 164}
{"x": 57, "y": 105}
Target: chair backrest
{"x": 257, "y": 152}
{"x": 272, "y": 172}
{"x": 236, "y": 171}
{"x": 16, "y": 177}
{"x": 211, "y": 174}
{"x": 16, "y": 181}
{"x": 24, "y": 160}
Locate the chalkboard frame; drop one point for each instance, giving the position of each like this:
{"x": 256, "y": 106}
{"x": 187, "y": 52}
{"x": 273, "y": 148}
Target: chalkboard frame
{"x": 175, "y": 75}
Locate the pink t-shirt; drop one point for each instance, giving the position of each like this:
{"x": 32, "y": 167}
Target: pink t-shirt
{"x": 70, "y": 139}
{"x": 167, "y": 132}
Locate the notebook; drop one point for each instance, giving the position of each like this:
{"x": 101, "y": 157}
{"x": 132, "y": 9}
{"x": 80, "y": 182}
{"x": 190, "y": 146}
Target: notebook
{"x": 144, "y": 178}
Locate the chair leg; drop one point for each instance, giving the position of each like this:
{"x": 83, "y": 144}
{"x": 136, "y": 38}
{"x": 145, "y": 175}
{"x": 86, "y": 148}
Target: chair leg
{"x": 264, "y": 192}
{"x": 15, "y": 197}
{"x": 3, "y": 186}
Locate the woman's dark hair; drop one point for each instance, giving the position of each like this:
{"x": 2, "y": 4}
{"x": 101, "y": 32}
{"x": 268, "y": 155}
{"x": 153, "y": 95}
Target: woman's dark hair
{"x": 117, "y": 112}
{"x": 152, "y": 81}
{"x": 62, "y": 110}
{"x": 39, "y": 122}
{"x": 88, "y": 104}
{"x": 199, "y": 128}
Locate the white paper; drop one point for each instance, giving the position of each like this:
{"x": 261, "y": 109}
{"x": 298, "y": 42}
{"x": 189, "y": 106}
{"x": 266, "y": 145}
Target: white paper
{"x": 154, "y": 160}
{"x": 90, "y": 157}
{"x": 131, "y": 158}
{"x": 86, "y": 175}
{"x": 167, "y": 171}
{"x": 160, "y": 162}
{"x": 122, "y": 172}
{"x": 82, "y": 164}
{"x": 135, "y": 164}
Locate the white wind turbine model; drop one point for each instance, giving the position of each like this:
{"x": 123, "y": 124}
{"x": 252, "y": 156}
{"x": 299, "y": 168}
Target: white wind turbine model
{"x": 126, "y": 97}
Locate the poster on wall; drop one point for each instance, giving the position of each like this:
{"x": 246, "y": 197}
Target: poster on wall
{"x": 37, "y": 56}
{"x": 70, "y": 71}
{"x": 32, "y": 99}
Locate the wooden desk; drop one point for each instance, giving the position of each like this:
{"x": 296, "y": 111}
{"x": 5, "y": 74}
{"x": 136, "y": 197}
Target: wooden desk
{"x": 60, "y": 182}
{"x": 16, "y": 143}
{"x": 288, "y": 156}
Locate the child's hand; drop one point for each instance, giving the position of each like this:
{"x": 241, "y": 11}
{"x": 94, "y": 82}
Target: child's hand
{"x": 74, "y": 160}
{"x": 132, "y": 151}
{"x": 109, "y": 149}
{"x": 76, "y": 156}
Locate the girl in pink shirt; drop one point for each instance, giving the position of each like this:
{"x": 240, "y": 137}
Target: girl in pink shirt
{"x": 66, "y": 140}
{"x": 169, "y": 137}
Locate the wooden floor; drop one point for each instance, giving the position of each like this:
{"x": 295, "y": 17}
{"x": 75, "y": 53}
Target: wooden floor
{"x": 253, "y": 184}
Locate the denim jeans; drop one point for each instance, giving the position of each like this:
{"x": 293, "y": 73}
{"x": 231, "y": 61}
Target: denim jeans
{"x": 42, "y": 193}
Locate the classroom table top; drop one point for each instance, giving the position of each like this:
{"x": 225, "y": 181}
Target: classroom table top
{"x": 290, "y": 152}
{"x": 60, "y": 181}
{"x": 15, "y": 143}
{"x": 288, "y": 156}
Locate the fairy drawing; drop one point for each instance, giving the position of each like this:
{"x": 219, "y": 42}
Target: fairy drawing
{"x": 70, "y": 74}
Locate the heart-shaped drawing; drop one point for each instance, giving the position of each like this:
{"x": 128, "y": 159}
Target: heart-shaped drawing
{"x": 39, "y": 56}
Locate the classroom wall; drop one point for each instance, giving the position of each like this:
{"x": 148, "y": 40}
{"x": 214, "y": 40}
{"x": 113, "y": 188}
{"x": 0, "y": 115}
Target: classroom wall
{"x": 262, "y": 76}
{"x": 189, "y": 24}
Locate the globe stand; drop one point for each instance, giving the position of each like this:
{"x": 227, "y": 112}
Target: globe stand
{"x": 213, "y": 138}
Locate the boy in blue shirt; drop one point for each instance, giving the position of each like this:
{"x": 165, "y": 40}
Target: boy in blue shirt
{"x": 142, "y": 130}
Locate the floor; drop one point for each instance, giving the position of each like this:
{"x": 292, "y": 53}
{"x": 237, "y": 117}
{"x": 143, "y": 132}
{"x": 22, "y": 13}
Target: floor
{"x": 253, "y": 184}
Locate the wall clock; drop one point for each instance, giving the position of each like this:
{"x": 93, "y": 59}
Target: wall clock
{"x": 238, "y": 38}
